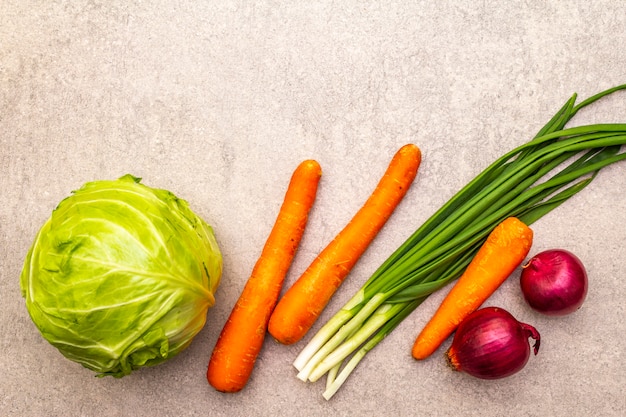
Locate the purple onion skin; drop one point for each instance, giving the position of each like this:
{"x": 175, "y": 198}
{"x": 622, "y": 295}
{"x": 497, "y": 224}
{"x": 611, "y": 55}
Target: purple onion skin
{"x": 554, "y": 282}
{"x": 491, "y": 344}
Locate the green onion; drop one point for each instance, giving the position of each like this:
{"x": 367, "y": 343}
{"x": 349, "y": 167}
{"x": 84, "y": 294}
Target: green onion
{"x": 527, "y": 182}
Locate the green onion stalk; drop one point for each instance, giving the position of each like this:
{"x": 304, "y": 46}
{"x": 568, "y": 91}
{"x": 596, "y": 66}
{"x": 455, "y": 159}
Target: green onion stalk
{"x": 527, "y": 182}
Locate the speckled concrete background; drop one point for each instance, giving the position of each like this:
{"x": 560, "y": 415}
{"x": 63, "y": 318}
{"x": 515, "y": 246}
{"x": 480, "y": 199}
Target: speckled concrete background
{"x": 219, "y": 101}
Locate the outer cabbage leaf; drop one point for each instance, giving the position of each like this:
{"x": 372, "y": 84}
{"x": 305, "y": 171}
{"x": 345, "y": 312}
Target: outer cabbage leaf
{"x": 121, "y": 276}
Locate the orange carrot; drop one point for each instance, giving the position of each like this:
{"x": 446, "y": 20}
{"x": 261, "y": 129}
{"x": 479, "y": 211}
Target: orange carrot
{"x": 241, "y": 339}
{"x": 304, "y": 301}
{"x": 503, "y": 251}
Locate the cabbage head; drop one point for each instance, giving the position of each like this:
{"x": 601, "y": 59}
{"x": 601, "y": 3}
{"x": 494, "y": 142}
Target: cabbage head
{"x": 121, "y": 276}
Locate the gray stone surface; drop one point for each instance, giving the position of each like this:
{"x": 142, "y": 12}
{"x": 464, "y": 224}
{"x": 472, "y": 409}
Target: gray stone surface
{"x": 219, "y": 101}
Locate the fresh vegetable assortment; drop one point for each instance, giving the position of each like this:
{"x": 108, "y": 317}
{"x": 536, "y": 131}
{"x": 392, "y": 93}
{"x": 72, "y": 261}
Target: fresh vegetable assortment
{"x": 527, "y": 182}
{"x": 122, "y": 275}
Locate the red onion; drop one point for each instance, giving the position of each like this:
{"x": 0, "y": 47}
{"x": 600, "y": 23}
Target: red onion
{"x": 490, "y": 344}
{"x": 554, "y": 282}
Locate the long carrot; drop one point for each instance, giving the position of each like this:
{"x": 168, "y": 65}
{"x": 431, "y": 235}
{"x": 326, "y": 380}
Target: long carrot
{"x": 304, "y": 301}
{"x": 241, "y": 339}
{"x": 503, "y": 251}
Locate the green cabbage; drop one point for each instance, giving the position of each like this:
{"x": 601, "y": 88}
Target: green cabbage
{"x": 121, "y": 276}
